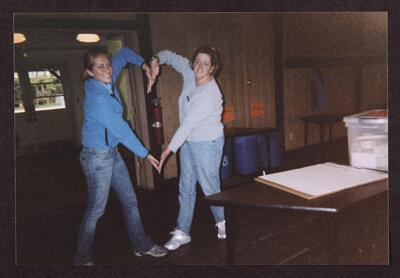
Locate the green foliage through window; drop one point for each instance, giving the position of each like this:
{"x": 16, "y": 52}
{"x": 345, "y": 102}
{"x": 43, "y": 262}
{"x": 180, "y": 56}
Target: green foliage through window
{"x": 48, "y": 92}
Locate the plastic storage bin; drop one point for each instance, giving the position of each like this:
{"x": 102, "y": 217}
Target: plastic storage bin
{"x": 368, "y": 139}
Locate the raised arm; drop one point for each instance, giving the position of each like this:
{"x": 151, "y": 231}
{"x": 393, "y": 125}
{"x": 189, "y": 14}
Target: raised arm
{"x": 176, "y": 61}
{"x": 126, "y": 55}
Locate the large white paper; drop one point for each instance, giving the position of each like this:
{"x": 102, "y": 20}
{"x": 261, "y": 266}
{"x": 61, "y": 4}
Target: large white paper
{"x": 322, "y": 179}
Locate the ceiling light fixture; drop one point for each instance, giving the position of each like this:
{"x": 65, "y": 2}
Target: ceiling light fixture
{"x": 19, "y": 38}
{"x": 88, "y": 37}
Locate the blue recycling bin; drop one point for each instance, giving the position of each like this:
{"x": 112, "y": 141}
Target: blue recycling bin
{"x": 262, "y": 151}
{"x": 226, "y": 169}
{"x": 245, "y": 151}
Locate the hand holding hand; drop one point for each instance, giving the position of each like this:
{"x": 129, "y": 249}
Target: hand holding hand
{"x": 155, "y": 66}
{"x": 164, "y": 156}
{"x": 156, "y": 164}
{"x": 149, "y": 75}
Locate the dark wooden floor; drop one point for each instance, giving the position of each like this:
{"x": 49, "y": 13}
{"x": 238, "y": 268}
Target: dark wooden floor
{"x": 51, "y": 197}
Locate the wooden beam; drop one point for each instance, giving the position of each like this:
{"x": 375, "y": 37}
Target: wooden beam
{"x": 279, "y": 74}
{"x": 145, "y": 48}
{"x": 323, "y": 62}
{"x": 29, "y": 23}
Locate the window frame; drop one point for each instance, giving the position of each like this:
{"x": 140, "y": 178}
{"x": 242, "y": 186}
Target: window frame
{"x": 29, "y": 96}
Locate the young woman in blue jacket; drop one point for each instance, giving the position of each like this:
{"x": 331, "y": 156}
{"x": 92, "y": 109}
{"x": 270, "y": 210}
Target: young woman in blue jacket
{"x": 103, "y": 129}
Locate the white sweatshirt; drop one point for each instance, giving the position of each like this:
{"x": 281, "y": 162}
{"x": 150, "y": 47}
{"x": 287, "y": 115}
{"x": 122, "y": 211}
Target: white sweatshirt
{"x": 200, "y": 107}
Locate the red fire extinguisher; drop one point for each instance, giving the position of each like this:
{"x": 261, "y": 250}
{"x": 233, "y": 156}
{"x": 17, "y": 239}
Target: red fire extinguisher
{"x": 157, "y": 126}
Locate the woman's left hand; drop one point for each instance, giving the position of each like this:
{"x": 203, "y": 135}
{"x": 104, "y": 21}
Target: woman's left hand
{"x": 156, "y": 164}
{"x": 155, "y": 66}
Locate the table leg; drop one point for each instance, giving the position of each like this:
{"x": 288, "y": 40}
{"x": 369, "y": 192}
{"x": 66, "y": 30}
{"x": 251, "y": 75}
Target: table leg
{"x": 322, "y": 135}
{"x": 330, "y": 140}
{"x": 305, "y": 133}
{"x": 269, "y": 148}
{"x": 332, "y": 246}
{"x": 230, "y": 234}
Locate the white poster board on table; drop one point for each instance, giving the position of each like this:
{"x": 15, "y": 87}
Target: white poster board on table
{"x": 321, "y": 179}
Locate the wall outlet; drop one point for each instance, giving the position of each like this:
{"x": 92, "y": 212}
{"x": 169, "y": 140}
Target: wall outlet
{"x": 291, "y": 136}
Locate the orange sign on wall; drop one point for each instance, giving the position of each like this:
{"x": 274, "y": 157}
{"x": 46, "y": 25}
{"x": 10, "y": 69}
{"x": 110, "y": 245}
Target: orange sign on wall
{"x": 228, "y": 114}
{"x": 257, "y": 109}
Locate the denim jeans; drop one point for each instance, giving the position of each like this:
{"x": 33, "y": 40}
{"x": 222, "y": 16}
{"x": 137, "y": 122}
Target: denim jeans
{"x": 199, "y": 162}
{"x": 104, "y": 169}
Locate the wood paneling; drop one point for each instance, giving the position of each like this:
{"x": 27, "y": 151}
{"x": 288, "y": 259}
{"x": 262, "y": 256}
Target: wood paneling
{"x": 350, "y": 49}
{"x": 244, "y": 42}
{"x": 297, "y": 103}
{"x": 340, "y": 86}
{"x": 374, "y": 87}
{"x": 335, "y": 34}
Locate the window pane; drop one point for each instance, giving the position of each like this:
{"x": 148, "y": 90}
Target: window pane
{"x": 18, "y": 106}
{"x": 49, "y": 93}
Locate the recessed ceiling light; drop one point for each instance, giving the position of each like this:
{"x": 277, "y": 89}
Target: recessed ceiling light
{"x": 19, "y": 38}
{"x": 88, "y": 37}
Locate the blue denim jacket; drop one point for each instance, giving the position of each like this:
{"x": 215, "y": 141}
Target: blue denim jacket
{"x": 102, "y": 111}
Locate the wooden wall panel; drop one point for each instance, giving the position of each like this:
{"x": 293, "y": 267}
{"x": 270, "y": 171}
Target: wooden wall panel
{"x": 374, "y": 87}
{"x": 244, "y": 43}
{"x": 340, "y": 85}
{"x": 258, "y": 68}
{"x": 335, "y": 34}
{"x": 297, "y": 99}
{"x": 348, "y": 88}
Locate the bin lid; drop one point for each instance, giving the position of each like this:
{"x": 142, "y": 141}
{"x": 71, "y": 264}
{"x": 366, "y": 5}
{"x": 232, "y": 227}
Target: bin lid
{"x": 369, "y": 137}
{"x": 378, "y": 116}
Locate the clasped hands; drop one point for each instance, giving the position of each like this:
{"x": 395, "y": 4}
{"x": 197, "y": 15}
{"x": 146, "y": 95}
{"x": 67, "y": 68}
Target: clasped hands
{"x": 152, "y": 73}
{"x": 159, "y": 164}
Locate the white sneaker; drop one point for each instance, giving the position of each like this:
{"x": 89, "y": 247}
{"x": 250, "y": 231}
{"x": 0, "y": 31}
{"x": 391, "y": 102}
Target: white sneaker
{"x": 221, "y": 229}
{"x": 178, "y": 238}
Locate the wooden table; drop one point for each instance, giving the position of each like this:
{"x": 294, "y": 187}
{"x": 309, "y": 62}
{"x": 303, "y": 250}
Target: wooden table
{"x": 257, "y": 195}
{"x": 321, "y": 121}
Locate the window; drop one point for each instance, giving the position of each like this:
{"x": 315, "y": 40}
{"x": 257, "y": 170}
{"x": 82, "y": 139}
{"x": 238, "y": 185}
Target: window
{"x": 18, "y": 103}
{"x": 48, "y": 92}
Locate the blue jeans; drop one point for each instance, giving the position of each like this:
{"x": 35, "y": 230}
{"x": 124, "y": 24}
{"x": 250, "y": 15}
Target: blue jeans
{"x": 104, "y": 169}
{"x": 199, "y": 162}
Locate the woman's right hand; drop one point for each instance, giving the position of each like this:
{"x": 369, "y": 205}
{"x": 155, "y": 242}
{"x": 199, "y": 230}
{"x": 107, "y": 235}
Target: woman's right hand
{"x": 155, "y": 66}
{"x": 164, "y": 156}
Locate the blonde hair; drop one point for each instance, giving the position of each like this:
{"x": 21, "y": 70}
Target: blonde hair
{"x": 89, "y": 59}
